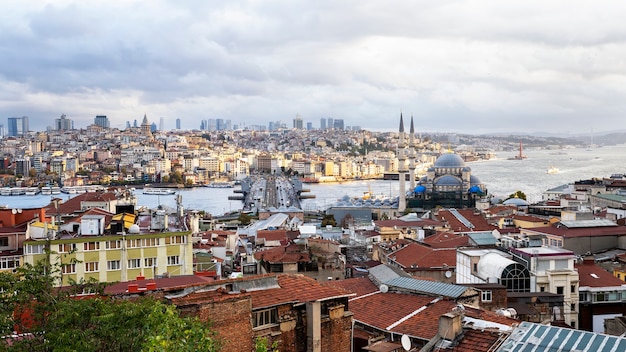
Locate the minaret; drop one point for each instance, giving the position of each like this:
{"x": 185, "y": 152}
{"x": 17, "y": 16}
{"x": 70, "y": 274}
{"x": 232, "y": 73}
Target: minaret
{"x": 412, "y": 155}
{"x": 401, "y": 169}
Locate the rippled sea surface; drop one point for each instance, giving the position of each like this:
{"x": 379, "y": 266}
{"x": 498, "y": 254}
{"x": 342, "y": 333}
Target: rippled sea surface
{"x": 501, "y": 177}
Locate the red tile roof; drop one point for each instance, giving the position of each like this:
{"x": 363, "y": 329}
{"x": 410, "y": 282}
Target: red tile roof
{"x": 272, "y": 235}
{"x": 73, "y": 204}
{"x": 405, "y": 224}
{"x": 290, "y": 253}
{"x": 169, "y": 283}
{"x": 421, "y": 256}
{"x": 411, "y": 314}
{"x": 446, "y": 240}
{"x": 592, "y": 275}
{"x": 360, "y": 286}
{"x": 295, "y": 288}
{"x": 476, "y": 219}
{"x": 475, "y": 341}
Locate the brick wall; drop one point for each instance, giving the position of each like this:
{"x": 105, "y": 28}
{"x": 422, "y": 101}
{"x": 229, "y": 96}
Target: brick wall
{"x": 230, "y": 319}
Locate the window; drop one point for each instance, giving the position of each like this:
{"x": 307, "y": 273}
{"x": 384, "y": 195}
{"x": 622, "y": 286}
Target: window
{"x": 559, "y": 290}
{"x": 150, "y": 242}
{"x": 134, "y": 263}
{"x": 68, "y": 268}
{"x": 91, "y": 246}
{"x": 113, "y": 265}
{"x": 486, "y": 296}
{"x": 9, "y": 262}
{"x": 572, "y": 289}
{"x": 113, "y": 244}
{"x": 175, "y": 239}
{"x": 34, "y": 248}
{"x": 572, "y": 307}
{"x": 264, "y": 317}
{"x": 67, "y": 247}
{"x": 173, "y": 260}
{"x": 90, "y": 267}
{"x": 542, "y": 289}
{"x": 149, "y": 262}
{"x": 475, "y": 267}
{"x": 573, "y": 324}
{"x": 4, "y": 241}
{"x": 133, "y": 243}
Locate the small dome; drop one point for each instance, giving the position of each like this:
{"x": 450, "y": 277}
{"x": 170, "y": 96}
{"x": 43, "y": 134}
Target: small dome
{"x": 345, "y": 198}
{"x": 516, "y": 201}
{"x": 134, "y": 229}
{"x": 474, "y": 181}
{"x": 449, "y": 160}
{"x": 448, "y": 180}
{"x": 475, "y": 189}
{"x": 419, "y": 189}
{"x": 496, "y": 200}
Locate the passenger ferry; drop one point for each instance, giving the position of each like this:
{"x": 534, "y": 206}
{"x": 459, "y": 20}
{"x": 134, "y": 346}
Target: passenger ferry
{"x": 46, "y": 190}
{"x": 159, "y": 191}
{"x": 32, "y": 191}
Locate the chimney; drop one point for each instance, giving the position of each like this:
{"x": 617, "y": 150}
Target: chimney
{"x": 141, "y": 277}
{"x": 133, "y": 288}
{"x": 151, "y": 286}
{"x": 42, "y": 214}
{"x": 451, "y": 325}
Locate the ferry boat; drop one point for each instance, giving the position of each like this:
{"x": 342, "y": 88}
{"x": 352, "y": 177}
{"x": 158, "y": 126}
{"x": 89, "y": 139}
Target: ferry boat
{"x": 6, "y": 191}
{"x": 46, "y": 190}
{"x": 159, "y": 191}
{"x": 32, "y": 191}
{"x": 55, "y": 190}
{"x": 220, "y": 185}
{"x": 18, "y": 191}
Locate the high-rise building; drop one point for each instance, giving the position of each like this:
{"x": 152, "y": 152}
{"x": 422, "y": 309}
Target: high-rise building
{"x": 161, "y": 124}
{"x": 338, "y": 124}
{"x": 153, "y": 127}
{"x": 322, "y": 123}
{"x": 103, "y": 121}
{"x": 309, "y": 126}
{"x": 297, "y": 122}
{"x": 17, "y": 126}
{"x": 330, "y": 124}
{"x": 178, "y": 124}
{"x": 63, "y": 123}
{"x": 219, "y": 124}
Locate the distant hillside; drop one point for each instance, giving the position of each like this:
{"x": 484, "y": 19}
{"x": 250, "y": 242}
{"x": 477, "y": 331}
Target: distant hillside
{"x": 605, "y": 139}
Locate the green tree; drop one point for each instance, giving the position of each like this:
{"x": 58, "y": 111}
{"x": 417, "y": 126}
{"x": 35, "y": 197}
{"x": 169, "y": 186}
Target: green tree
{"x": 244, "y": 218}
{"x": 329, "y": 219}
{"x": 518, "y": 194}
{"x": 60, "y": 322}
{"x": 261, "y": 345}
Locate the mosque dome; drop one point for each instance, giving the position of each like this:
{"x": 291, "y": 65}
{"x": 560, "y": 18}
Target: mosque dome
{"x": 133, "y": 229}
{"x": 516, "y": 201}
{"x": 474, "y": 181}
{"x": 448, "y": 180}
{"x": 449, "y": 160}
{"x": 475, "y": 189}
{"x": 419, "y": 189}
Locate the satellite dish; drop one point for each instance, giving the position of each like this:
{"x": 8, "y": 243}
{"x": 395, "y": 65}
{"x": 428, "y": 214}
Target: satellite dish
{"x": 448, "y": 274}
{"x": 406, "y": 342}
{"x": 384, "y": 288}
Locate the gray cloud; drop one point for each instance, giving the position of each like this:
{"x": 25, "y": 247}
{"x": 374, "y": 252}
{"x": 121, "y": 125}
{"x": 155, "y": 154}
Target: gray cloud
{"x": 471, "y": 66}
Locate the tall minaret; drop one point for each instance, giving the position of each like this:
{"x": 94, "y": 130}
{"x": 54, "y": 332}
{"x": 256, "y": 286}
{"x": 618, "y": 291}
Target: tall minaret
{"x": 401, "y": 168}
{"x": 412, "y": 155}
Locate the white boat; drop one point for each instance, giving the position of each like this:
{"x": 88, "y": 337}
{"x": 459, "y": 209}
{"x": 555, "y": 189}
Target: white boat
{"x": 18, "y": 191}
{"x": 159, "y": 191}
{"x": 552, "y": 170}
{"x": 221, "y": 185}
{"x": 55, "y": 190}
{"x": 6, "y": 191}
{"x": 32, "y": 191}
{"x": 47, "y": 190}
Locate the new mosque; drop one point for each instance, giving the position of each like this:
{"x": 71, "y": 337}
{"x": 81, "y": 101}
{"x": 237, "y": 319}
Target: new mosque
{"x": 448, "y": 183}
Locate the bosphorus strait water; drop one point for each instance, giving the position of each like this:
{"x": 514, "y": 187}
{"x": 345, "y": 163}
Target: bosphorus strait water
{"x": 501, "y": 177}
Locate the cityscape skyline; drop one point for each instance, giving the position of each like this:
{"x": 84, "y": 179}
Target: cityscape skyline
{"x": 462, "y": 66}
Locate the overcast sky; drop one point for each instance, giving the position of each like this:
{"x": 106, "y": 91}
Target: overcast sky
{"x": 455, "y": 66}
